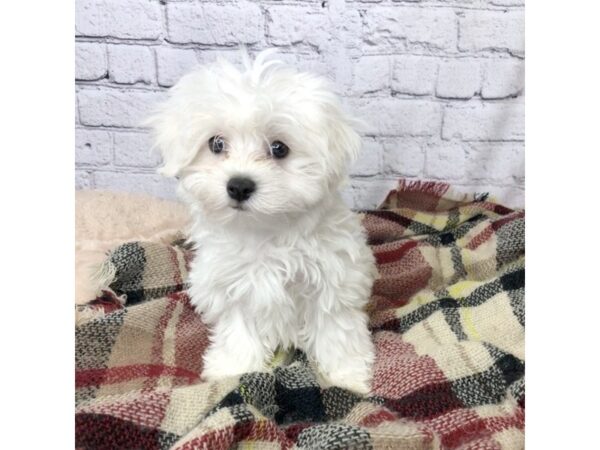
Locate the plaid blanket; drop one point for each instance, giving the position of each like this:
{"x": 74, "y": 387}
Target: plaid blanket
{"x": 447, "y": 316}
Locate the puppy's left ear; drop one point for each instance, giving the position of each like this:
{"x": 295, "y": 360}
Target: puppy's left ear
{"x": 344, "y": 142}
{"x": 345, "y": 139}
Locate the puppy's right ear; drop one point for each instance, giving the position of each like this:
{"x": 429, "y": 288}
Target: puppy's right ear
{"x": 168, "y": 130}
{"x": 175, "y": 123}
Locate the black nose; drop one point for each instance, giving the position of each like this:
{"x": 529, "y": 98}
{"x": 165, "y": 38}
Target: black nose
{"x": 240, "y": 188}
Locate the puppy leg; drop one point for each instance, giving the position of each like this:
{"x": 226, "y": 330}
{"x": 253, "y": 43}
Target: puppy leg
{"x": 343, "y": 349}
{"x": 235, "y": 348}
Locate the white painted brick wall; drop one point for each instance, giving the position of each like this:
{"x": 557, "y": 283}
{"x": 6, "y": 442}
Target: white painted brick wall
{"x": 439, "y": 82}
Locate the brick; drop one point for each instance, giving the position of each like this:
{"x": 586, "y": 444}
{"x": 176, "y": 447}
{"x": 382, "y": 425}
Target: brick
{"x": 388, "y": 28}
{"x": 503, "y": 78}
{"x": 90, "y": 61}
{"x": 312, "y": 63}
{"x": 173, "y": 63}
{"x": 481, "y": 122}
{"x": 211, "y": 56}
{"x": 398, "y": 117}
{"x": 496, "y": 161}
{"x": 445, "y": 161}
{"x": 403, "y": 157}
{"x": 77, "y": 120}
{"x": 458, "y": 79}
{"x": 130, "y": 64}
{"x": 369, "y": 159}
{"x": 287, "y": 25}
{"x": 348, "y": 30}
{"x": 206, "y": 23}
{"x": 143, "y": 183}
{"x": 369, "y": 193}
{"x": 134, "y": 149}
{"x": 93, "y": 147}
{"x": 414, "y": 75}
{"x": 339, "y": 64}
{"x": 486, "y": 30}
{"x": 104, "y": 107}
{"x": 371, "y": 74}
{"x": 133, "y": 19}
{"x": 83, "y": 179}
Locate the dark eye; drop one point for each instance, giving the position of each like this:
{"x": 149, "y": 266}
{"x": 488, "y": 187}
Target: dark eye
{"x": 216, "y": 144}
{"x": 279, "y": 149}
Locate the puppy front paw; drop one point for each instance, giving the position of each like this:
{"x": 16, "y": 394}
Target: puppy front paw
{"x": 345, "y": 358}
{"x": 215, "y": 372}
{"x": 358, "y": 382}
{"x": 219, "y": 364}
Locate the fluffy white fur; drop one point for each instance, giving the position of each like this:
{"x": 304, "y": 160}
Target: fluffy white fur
{"x": 291, "y": 267}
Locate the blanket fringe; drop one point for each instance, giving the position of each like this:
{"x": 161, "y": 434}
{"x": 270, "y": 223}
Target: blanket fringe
{"x": 103, "y": 275}
{"x": 441, "y": 189}
{"x": 437, "y": 188}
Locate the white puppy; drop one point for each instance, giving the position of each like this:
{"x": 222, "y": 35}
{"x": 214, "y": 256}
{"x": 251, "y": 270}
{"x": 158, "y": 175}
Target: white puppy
{"x": 281, "y": 261}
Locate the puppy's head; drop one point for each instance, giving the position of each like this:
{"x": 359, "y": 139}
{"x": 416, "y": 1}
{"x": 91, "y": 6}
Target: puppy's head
{"x": 255, "y": 145}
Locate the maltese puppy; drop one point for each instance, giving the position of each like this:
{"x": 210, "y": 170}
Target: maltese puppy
{"x": 280, "y": 260}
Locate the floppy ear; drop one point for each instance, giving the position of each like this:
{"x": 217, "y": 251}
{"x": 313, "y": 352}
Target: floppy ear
{"x": 169, "y": 133}
{"x": 345, "y": 140}
{"x": 174, "y": 124}
{"x": 344, "y": 143}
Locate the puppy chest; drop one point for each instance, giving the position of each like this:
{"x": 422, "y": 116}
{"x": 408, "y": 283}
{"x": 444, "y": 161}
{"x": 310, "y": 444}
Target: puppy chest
{"x": 276, "y": 275}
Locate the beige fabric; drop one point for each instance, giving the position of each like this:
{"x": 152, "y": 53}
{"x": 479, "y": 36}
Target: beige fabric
{"x": 104, "y": 220}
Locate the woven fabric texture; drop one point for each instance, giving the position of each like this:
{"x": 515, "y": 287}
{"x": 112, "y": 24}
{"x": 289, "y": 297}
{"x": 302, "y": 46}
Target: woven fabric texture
{"x": 447, "y": 316}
